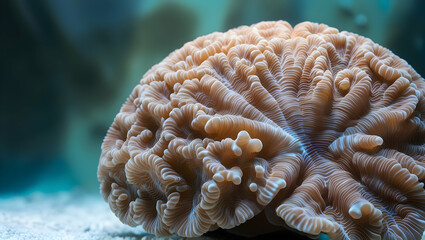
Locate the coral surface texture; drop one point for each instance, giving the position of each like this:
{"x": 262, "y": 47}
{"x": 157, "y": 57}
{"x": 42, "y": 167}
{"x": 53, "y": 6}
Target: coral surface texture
{"x": 267, "y": 127}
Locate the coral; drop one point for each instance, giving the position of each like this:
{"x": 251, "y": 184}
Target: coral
{"x": 317, "y": 130}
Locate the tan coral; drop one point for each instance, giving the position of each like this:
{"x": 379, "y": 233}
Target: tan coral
{"x": 319, "y": 130}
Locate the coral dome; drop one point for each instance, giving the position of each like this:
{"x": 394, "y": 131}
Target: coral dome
{"x": 313, "y": 129}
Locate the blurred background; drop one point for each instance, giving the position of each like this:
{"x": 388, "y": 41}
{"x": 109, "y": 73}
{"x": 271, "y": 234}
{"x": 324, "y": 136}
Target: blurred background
{"x": 68, "y": 65}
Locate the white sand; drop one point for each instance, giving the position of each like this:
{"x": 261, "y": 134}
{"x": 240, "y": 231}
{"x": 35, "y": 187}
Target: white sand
{"x": 67, "y": 215}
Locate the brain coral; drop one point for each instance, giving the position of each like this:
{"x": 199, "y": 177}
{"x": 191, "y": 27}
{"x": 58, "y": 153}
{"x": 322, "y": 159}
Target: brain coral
{"x": 310, "y": 128}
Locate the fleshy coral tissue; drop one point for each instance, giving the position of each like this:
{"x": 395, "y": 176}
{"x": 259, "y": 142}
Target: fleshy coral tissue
{"x": 314, "y": 129}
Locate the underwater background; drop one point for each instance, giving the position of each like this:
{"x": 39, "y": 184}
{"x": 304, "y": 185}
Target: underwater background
{"x": 67, "y": 67}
